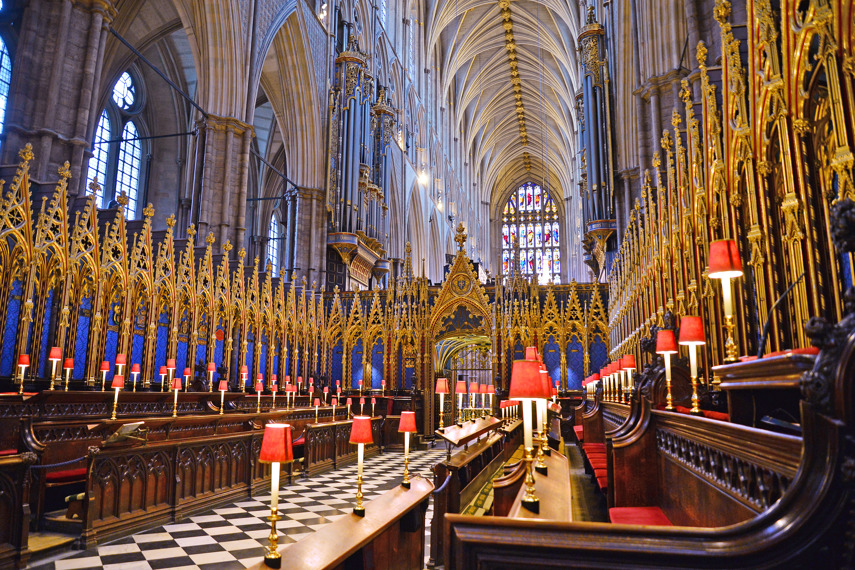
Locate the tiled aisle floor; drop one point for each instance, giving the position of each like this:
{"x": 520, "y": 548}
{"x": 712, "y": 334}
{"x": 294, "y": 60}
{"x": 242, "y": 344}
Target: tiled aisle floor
{"x": 234, "y": 536}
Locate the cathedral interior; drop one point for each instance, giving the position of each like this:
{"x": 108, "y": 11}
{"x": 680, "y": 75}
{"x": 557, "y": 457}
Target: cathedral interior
{"x": 427, "y": 284}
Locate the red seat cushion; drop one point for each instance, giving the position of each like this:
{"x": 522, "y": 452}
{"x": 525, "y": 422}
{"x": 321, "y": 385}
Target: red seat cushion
{"x": 603, "y": 483}
{"x": 4, "y": 452}
{"x": 651, "y": 516}
{"x": 720, "y": 416}
{"x": 66, "y": 476}
{"x": 594, "y": 446}
{"x": 579, "y": 429}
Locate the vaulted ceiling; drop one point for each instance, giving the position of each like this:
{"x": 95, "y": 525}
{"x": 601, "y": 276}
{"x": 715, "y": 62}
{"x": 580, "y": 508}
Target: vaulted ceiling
{"x": 510, "y": 69}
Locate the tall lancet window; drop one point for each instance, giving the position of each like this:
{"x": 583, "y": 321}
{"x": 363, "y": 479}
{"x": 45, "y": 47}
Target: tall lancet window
{"x": 5, "y": 79}
{"x": 274, "y": 237}
{"x": 118, "y": 147}
{"x": 530, "y": 234}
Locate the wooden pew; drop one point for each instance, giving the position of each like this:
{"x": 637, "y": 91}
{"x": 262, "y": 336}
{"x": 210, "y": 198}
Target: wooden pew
{"x": 463, "y": 475}
{"x": 14, "y": 509}
{"x": 327, "y": 445}
{"x": 787, "y": 501}
{"x": 391, "y": 535}
{"x": 222, "y": 469}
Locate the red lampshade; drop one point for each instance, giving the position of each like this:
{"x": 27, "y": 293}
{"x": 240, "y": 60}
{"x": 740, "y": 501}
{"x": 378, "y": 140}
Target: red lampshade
{"x": 595, "y": 377}
{"x": 407, "y": 423}
{"x": 311, "y": 381}
{"x": 105, "y": 365}
{"x": 665, "y": 342}
{"x": 360, "y": 431}
{"x": 547, "y": 383}
{"x": 118, "y": 381}
{"x": 287, "y": 378}
{"x": 176, "y": 383}
{"x": 461, "y": 387}
{"x": 724, "y": 260}
{"x": 628, "y": 362}
{"x": 299, "y": 379}
{"x": 531, "y": 353}
{"x": 275, "y": 379}
{"x": 554, "y": 391}
{"x": 442, "y": 385}
{"x": 55, "y": 353}
{"x": 362, "y": 400}
{"x": 334, "y": 401}
{"x": 349, "y": 401}
{"x": 244, "y": 369}
{"x": 326, "y": 390}
{"x": 224, "y": 386}
{"x": 359, "y": 382}
{"x": 259, "y": 377}
{"x": 171, "y": 363}
{"x": 485, "y": 388}
{"x": 275, "y": 387}
{"x": 373, "y": 400}
{"x": 187, "y": 372}
{"x": 276, "y": 444}
{"x": 69, "y": 363}
{"x": 317, "y": 402}
{"x": 163, "y": 370}
{"x": 121, "y": 359}
{"x": 382, "y": 383}
{"x": 212, "y": 367}
{"x": 692, "y": 330}
{"x": 259, "y": 387}
{"x": 338, "y": 382}
{"x": 135, "y": 369}
{"x": 526, "y": 381}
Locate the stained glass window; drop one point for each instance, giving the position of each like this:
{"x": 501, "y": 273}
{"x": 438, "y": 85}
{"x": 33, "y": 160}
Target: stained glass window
{"x": 273, "y": 238}
{"x": 124, "y": 92}
{"x": 128, "y": 171}
{"x": 100, "y": 151}
{"x": 117, "y": 148}
{"x": 5, "y": 78}
{"x": 530, "y": 235}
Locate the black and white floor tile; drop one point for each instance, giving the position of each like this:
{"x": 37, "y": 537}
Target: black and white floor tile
{"x": 234, "y": 536}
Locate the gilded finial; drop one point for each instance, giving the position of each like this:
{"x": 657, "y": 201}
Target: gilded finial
{"x": 122, "y": 199}
{"x": 65, "y": 171}
{"x": 148, "y": 211}
{"x": 461, "y": 236}
{"x": 170, "y": 221}
{"x": 685, "y": 92}
{"x": 210, "y": 238}
{"x": 242, "y": 253}
{"x": 191, "y": 231}
{"x": 94, "y": 187}
{"x": 227, "y": 247}
{"x": 26, "y": 153}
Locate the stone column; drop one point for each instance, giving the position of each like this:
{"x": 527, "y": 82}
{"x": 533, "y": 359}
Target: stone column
{"x": 53, "y": 101}
{"x": 220, "y": 178}
{"x": 310, "y": 235}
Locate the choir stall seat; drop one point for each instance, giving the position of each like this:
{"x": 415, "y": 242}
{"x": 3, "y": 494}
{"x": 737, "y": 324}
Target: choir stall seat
{"x": 650, "y": 516}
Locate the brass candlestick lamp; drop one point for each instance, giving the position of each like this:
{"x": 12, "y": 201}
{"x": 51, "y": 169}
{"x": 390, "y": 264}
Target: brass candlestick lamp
{"x": 725, "y": 264}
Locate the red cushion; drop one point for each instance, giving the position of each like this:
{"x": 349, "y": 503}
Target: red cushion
{"x": 578, "y": 429}
{"x": 4, "y": 452}
{"x": 682, "y": 410}
{"x": 721, "y": 416}
{"x": 651, "y": 516}
{"x": 594, "y": 446}
{"x": 66, "y": 476}
{"x": 299, "y": 441}
{"x": 603, "y": 483}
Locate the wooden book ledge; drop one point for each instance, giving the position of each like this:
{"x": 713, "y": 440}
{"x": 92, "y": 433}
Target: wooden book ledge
{"x": 390, "y": 536}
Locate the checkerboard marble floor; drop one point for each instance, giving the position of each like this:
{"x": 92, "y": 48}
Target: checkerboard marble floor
{"x": 234, "y": 536}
